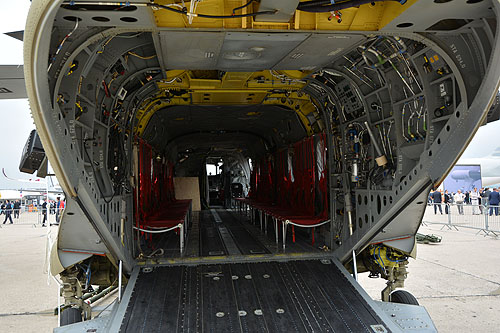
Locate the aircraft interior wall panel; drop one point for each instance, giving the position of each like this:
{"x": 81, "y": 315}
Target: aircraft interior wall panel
{"x": 200, "y": 50}
{"x": 318, "y": 51}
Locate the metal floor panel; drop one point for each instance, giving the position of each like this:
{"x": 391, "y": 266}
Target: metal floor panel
{"x": 295, "y": 296}
{"x": 231, "y": 234}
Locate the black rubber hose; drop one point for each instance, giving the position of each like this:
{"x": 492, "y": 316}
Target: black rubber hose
{"x": 315, "y": 3}
{"x": 324, "y": 6}
{"x": 241, "y": 7}
{"x": 184, "y": 12}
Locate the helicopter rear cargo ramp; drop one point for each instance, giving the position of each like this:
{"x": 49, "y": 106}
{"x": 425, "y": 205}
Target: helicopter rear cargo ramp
{"x": 295, "y": 296}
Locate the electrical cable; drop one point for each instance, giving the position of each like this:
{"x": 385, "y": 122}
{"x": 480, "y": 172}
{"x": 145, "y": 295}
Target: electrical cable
{"x": 324, "y": 6}
{"x": 283, "y": 77}
{"x": 141, "y": 57}
{"x": 244, "y": 6}
{"x": 377, "y": 259}
{"x": 182, "y": 11}
{"x": 191, "y": 14}
{"x": 387, "y": 257}
{"x": 62, "y": 43}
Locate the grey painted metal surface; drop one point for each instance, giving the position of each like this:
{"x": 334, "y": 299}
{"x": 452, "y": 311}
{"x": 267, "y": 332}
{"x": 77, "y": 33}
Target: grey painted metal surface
{"x": 285, "y": 10}
{"x": 408, "y": 317}
{"x": 437, "y": 11}
{"x": 446, "y": 139}
{"x": 12, "y": 82}
{"x": 96, "y": 325}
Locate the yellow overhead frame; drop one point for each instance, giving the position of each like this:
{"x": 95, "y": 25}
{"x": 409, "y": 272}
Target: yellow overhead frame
{"x": 243, "y": 88}
{"x": 234, "y": 88}
{"x": 368, "y": 17}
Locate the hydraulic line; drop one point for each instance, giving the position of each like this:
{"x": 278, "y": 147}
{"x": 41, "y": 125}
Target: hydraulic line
{"x": 420, "y": 114}
{"x": 401, "y": 76}
{"x": 380, "y": 159}
{"x": 324, "y": 6}
{"x": 410, "y": 134}
{"x": 389, "y": 141}
{"x": 380, "y": 130}
{"x": 364, "y": 78}
{"x": 372, "y": 137}
{"x": 400, "y": 48}
{"x": 403, "y": 122}
{"x": 358, "y": 77}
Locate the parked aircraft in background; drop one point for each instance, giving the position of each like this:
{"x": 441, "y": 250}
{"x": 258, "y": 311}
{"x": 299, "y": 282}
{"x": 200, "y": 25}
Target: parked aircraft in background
{"x": 490, "y": 167}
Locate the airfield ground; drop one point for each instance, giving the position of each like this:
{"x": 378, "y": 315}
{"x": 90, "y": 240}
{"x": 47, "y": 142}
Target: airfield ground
{"x": 458, "y": 280}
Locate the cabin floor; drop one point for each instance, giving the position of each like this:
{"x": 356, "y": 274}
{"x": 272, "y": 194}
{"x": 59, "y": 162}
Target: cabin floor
{"x": 298, "y": 296}
{"x": 225, "y": 282}
{"x": 229, "y": 232}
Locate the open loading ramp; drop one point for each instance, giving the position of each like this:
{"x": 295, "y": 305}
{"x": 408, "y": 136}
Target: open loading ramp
{"x": 298, "y": 296}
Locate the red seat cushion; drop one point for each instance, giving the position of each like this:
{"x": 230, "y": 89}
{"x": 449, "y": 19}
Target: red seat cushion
{"x": 170, "y": 215}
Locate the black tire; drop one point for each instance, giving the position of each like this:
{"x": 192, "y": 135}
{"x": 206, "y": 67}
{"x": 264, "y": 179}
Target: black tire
{"x": 403, "y": 297}
{"x": 70, "y": 316}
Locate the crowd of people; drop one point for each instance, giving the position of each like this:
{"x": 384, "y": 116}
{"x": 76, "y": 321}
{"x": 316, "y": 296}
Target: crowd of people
{"x": 481, "y": 201}
{"x": 8, "y": 208}
{"x": 11, "y": 208}
{"x": 52, "y": 208}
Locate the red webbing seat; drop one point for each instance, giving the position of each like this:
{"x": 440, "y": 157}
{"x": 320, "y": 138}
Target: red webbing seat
{"x": 295, "y": 186}
{"x": 158, "y": 210}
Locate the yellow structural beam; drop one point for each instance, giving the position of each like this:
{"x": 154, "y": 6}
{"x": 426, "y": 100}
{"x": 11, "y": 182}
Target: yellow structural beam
{"x": 234, "y": 88}
{"x": 368, "y": 17}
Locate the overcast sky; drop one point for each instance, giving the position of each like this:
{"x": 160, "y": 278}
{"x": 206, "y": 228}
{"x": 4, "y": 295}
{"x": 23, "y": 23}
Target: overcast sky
{"x": 16, "y": 122}
{"x": 15, "y": 118}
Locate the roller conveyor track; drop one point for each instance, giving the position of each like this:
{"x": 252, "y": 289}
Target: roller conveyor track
{"x": 297, "y": 296}
{"x": 223, "y": 234}
{"x": 246, "y": 242}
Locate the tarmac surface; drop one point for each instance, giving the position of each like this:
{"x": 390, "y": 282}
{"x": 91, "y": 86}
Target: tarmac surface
{"x": 457, "y": 280}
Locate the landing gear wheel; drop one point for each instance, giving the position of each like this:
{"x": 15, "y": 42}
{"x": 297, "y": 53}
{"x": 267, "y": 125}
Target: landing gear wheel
{"x": 403, "y": 297}
{"x": 70, "y": 316}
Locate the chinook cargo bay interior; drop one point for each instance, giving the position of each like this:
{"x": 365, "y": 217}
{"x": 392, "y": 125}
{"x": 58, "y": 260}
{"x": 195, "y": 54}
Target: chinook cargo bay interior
{"x": 322, "y": 126}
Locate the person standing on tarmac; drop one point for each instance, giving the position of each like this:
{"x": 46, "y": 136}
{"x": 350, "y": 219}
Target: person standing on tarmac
{"x": 459, "y": 198}
{"x": 493, "y": 200}
{"x": 59, "y": 209}
{"x": 44, "y": 212}
{"x": 485, "y": 196}
{"x": 17, "y": 208}
{"x": 437, "y": 197}
{"x": 474, "y": 199}
{"x": 8, "y": 212}
{"x": 447, "y": 200}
